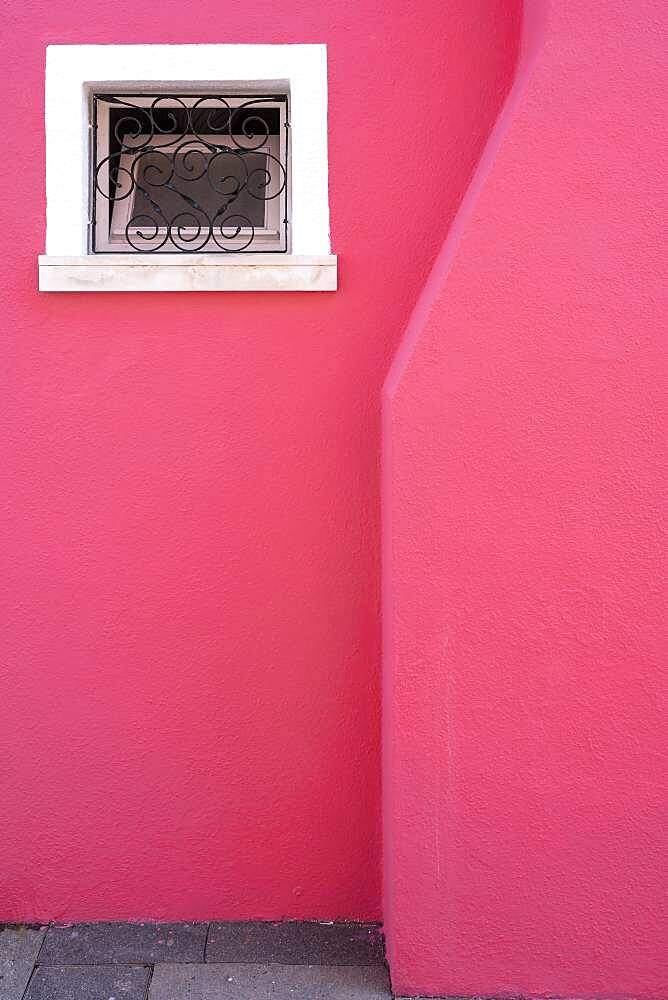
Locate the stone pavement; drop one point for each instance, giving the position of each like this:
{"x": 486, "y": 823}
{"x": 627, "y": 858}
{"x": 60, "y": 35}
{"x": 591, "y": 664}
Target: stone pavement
{"x": 194, "y": 961}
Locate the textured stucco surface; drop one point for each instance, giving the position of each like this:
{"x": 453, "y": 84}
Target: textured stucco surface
{"x": 189, "y": 704}
{"x": 525, "y": 697}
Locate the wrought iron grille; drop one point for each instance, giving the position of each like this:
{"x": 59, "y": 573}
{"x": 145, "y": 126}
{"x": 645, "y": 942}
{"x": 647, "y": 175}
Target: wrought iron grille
{"x": 189, "y": 173}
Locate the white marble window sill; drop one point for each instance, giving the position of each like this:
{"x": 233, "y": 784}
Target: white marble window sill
{"x": 188, "y": 273}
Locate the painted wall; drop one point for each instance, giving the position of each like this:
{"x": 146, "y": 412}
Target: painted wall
{"x": 526, "y": 815}
{"x": 189, "y": 707}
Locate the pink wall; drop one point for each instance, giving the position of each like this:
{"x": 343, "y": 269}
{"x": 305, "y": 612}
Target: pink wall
{"x": 526, "y": 815}
{"x": 189, "y": 718}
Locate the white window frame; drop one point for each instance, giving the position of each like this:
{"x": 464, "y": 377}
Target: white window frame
{"x": 74, "y": 72}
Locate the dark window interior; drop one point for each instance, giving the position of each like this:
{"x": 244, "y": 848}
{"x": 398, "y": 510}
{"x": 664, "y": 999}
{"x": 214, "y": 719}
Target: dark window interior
{"x": 232, "y": 190}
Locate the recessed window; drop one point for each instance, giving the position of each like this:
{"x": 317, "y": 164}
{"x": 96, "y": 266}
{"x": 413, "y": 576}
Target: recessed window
{"x": 187, "y": 168}
{"x": 184, "y": 173}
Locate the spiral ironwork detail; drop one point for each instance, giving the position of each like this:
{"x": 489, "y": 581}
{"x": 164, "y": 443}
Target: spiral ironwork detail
{"x": 190, "y": 173}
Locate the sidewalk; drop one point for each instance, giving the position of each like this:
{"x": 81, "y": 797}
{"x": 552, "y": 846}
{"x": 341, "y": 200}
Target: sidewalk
{"x": 194, "y": 961}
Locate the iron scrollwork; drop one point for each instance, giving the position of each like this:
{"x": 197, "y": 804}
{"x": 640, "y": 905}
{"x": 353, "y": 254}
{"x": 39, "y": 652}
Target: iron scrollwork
{"x": 190, "y": 173}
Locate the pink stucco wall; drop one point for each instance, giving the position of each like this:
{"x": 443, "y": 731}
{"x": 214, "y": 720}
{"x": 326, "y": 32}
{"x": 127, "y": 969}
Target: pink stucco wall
{"x": 526, "y": 815}
{"x": 190, "y": 699}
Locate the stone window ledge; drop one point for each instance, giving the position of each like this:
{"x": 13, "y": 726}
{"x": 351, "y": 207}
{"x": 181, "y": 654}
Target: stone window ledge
{"x": 188, "y": 273}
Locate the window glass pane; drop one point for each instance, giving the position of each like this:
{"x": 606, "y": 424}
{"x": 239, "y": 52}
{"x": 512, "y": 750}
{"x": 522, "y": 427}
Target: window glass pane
{"x": 198, "y": 184}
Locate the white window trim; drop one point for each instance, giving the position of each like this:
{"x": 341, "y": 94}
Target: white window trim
{"x": 74, "y": 71}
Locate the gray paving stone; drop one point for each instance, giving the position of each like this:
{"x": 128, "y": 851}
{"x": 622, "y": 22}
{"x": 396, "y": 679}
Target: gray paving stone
{"x": 19, "y": 944}
{"x": 93, "y": 982}
{"x": 14, "y": 975}
{"x": 87, "y": 944}
{"x": 269, "y": 982}
{"x": 295, "y": 943}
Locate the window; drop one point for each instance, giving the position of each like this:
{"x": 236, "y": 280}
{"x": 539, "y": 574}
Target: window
{"x": 189, "y": 173}
{"x": 187, "y": 168}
